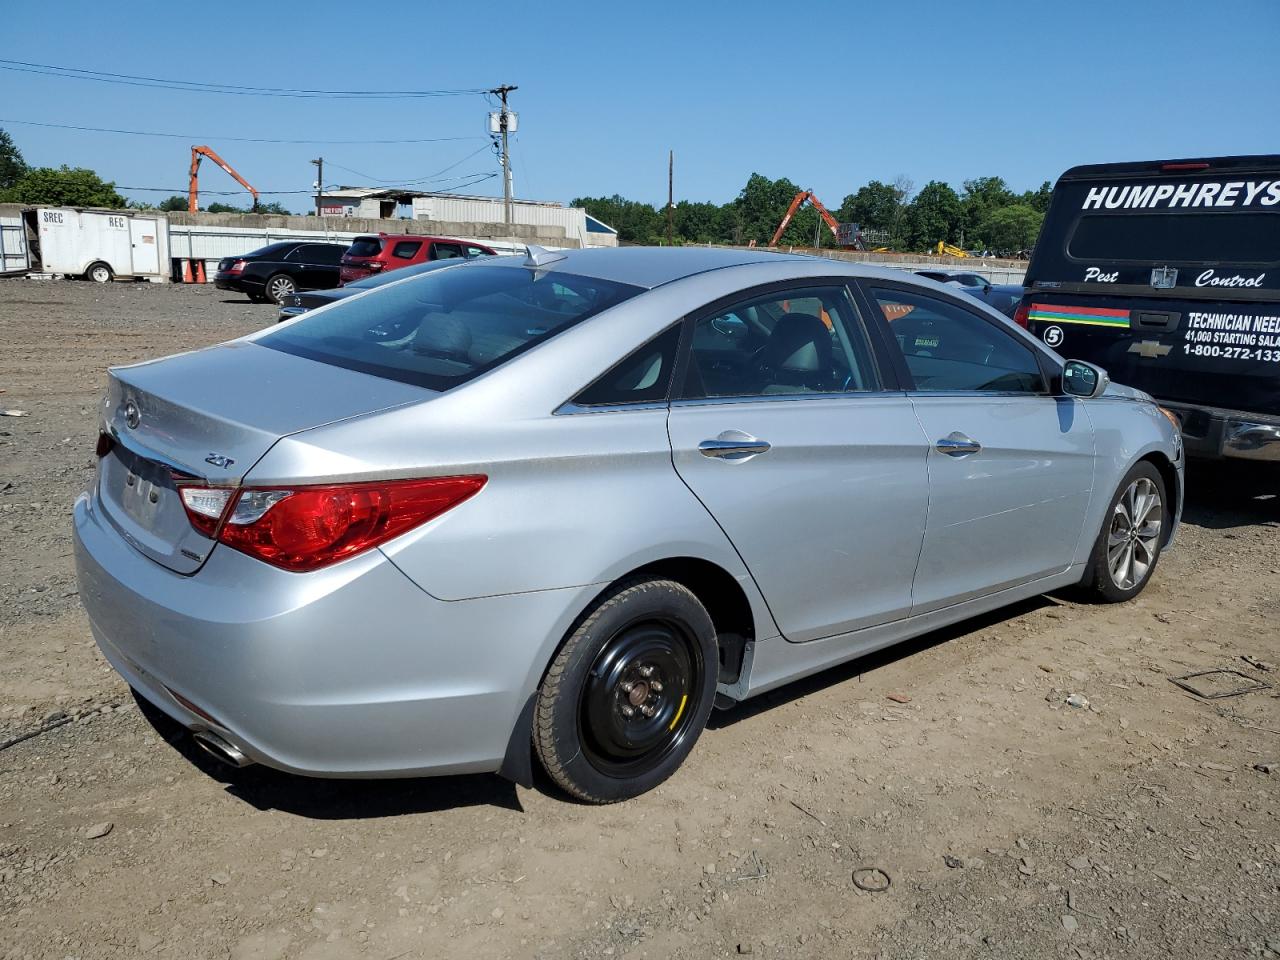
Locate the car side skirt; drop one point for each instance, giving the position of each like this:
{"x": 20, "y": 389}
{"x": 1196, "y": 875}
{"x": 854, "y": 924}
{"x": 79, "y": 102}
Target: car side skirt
{"x": 776, "y": 662}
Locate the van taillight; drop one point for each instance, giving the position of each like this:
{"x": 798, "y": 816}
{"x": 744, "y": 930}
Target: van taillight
{"x": 1020, "y": 314}
{"x": 1198, "y": 165}
{"x": 308, "y": 527}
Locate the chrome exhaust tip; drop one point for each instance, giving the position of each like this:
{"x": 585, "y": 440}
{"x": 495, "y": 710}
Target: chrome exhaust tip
{"x": 221, "y": 750}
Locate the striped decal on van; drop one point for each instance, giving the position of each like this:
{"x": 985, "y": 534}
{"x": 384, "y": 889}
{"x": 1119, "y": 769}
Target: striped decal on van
{"x": 1091, "y": 316}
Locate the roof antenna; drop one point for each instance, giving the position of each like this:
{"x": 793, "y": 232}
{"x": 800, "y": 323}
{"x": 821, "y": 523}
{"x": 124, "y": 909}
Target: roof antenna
{"x": 540, "y": 257}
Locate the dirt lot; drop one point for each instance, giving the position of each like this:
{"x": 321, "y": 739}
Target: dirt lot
{"x": 1011, "y": 824}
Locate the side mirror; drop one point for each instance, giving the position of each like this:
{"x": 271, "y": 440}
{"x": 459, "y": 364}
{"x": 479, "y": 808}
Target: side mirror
{"x": 1080, "y": 379}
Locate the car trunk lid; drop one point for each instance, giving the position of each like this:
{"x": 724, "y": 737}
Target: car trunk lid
{"x": 206, "y": 418}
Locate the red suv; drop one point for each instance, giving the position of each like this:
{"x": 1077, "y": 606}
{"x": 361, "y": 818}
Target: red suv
{"x": 369, "y": 255}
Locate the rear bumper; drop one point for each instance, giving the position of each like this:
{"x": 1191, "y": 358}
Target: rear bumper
{"x": 1216, "y": 433}
{"x": 351, "y": 671}
{"x": 237, "y": 284}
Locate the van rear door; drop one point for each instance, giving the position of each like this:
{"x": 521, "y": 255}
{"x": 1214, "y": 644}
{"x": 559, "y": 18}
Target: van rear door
{"x": 1168, "y": 275}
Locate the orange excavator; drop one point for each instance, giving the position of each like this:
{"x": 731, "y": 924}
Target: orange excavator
{"x": 193, "y": 192}
{"x": 796, "y": 202}
{"x": 193, "y": 270}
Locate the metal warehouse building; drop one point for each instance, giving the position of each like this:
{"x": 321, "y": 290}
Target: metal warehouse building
{"x": 455, "y": 208}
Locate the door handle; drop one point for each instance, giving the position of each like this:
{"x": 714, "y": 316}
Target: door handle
{"x": 956, "y": 444}
{"x": 727, "y": 446}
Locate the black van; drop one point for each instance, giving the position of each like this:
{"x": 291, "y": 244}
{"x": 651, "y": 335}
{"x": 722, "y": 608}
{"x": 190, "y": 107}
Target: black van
{"x": 1167, "y": 274}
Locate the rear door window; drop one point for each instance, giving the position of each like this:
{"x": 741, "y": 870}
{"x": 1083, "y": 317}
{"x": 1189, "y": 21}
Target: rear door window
{"x": 324, "y": 254}
{"x": 365, "y": 247}
{"x": 643, "y": 377}
{"x": 948, "y": 348}
{"x": 406, "y": 249}
{"x": 446, "y": 327}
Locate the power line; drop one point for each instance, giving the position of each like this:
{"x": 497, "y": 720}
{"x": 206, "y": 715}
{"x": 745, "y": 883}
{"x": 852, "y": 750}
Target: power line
{"x": 210, "y": 136}
{"x": 478, "y": 177}
{"x": 191, "y": 86}
{"x": 406, "y": 180}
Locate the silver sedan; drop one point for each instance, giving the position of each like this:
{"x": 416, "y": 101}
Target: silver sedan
{"x": 556, "y": 509}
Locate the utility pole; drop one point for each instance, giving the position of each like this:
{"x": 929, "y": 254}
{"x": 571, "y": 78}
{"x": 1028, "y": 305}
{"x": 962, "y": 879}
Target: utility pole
{"x": 319, "y": 162}
{"x": 671, "y": 174}
{"x": 504, "y": 124}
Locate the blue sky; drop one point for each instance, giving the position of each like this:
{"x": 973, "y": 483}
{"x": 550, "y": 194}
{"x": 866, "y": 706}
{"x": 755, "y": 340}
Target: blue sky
{"x": 830, "y": 95}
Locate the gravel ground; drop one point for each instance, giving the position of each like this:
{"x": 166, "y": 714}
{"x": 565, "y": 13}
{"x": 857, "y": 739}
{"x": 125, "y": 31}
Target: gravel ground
{"x": 1010, "y": 824}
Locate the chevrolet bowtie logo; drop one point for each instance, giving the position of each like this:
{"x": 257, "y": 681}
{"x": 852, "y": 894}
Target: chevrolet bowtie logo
{"x": 1150, "y": 349}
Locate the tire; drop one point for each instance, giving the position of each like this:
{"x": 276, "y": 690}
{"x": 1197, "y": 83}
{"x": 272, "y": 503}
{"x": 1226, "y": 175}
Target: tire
{"x": 99, "y": 273}
{"x": 628, "y": 693}
{"x": 279, "y": 286}
{"x": 1125, "y": 555}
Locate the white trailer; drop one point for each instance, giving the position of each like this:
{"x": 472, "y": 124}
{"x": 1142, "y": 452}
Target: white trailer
{"x": 101, "y": 245}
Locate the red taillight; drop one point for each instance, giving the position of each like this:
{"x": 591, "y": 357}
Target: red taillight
{"x": 1184, "y": 166}
{"x": 237, "y": 267}
{"x": 305, "y": 528}
{"x": 1020, "y": 314}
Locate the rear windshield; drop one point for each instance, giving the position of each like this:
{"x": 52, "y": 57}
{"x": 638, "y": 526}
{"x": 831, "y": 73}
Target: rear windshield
{"x": 272, "y": 249}
{"x": 444, "y": 328}
{"x": 1176, "y": 237}
{"x": 365, "y": 247}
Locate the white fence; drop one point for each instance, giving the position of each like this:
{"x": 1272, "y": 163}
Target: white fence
{"x": 211, "y": 244}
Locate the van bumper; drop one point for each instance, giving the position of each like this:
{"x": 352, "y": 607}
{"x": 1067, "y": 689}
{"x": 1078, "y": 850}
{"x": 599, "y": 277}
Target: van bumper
{"x": 1216, "y": 433}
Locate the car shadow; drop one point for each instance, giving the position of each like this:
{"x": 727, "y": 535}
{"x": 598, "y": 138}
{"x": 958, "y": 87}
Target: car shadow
{"x": 349, "y": 799}
{"x": 1227, "y": 494}
{"x": 834, "y": 676}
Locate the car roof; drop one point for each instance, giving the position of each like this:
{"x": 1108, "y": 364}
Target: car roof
{"x": 650, "y": 267}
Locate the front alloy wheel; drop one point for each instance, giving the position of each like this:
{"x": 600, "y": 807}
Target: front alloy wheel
{"x": 1134, "y": 538}
{"x": 1133, "y": 533}
{"x": 628, "y": 694}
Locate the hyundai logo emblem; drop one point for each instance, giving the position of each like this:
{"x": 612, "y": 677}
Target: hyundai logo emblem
{"x": 132, "y": 415}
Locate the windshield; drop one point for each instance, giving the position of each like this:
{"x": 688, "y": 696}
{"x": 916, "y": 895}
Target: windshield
{"x": 365, "y": 247}
{"x": 443, "y": 329}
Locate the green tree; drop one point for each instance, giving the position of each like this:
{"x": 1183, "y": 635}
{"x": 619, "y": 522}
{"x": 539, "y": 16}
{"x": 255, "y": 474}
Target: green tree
{"x": 981, "y": 196}
{"x": 1038, "y": 199}
{"x": 876, "y": 206}
{"x": 174, "y": 204}
{"x": 12, "y": 166}
{"x": 63, "y": 187}
{"x": 635, "y": 222}
{"x": 1012, "y": 228}
{"x": 698, "y": 222}
{"x": 935, "y": 214}
{"x": 760, "y": 207}
{"x": 217, "y": 207}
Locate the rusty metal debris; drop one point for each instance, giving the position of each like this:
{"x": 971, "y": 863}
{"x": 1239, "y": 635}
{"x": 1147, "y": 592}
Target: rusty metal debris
{"x": 871, "y": 879}
{"x": 1216, "y": 684}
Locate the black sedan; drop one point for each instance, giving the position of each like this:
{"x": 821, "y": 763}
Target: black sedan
{"x": 300, "y": 303}
{"x": 1003, "y": 296}
{"x": 279, "y": 270}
